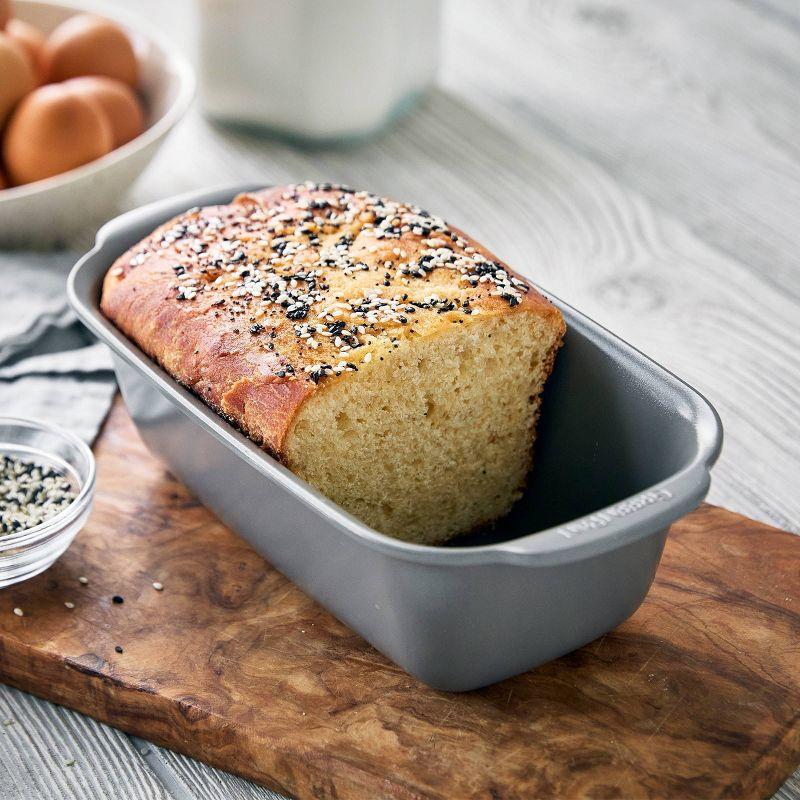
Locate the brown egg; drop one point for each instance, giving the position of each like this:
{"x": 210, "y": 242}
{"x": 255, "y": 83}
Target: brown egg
{"x": 16, "y": 75}
{"x": 89, "y": 45}
{"x": 31, "y": 39}
{"x": 5, "y": 12}
{"x": 53, "y": 130}
{"x": 119, "y": 102}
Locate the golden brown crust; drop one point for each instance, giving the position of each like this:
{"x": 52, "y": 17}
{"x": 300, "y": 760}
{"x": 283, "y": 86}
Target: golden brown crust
{"x": 258, "y": 304}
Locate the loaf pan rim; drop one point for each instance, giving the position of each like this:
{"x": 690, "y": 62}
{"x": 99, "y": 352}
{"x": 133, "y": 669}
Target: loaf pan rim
{"x": 641, "y": 514}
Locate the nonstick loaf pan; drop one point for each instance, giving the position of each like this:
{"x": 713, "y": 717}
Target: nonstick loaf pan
{"x": 624, "y": 449}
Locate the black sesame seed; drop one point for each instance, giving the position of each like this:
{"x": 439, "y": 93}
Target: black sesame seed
{"x": 117, "y": 599}
{"x": 301, "y": 312}
{"x": 119, "y": 649}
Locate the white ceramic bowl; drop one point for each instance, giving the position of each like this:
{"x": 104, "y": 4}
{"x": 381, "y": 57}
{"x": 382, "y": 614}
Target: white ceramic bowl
{"x": 48, "y": 212}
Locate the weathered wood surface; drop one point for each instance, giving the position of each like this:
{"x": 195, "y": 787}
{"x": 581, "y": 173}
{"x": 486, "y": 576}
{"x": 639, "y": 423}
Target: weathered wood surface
{"x": 638, "y": 159}
{"x": 678, "y": 126}
{"x": 49, "y": 751}
{"x": 695, "y": 696}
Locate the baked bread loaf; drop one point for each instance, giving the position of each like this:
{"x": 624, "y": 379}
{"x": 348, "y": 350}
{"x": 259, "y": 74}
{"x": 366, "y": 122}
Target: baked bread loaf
{"x": 382, "y": 355}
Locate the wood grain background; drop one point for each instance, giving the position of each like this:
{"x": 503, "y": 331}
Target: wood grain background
{"x": 233, "y": 664}
{"x": 638, "y": 159}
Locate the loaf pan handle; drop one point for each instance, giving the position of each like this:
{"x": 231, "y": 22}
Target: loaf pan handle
{"x": 642, "y": 514}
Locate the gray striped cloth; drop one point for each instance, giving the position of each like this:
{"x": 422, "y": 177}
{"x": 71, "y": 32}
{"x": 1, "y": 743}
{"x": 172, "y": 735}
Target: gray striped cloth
{"x": 51, "y": 368}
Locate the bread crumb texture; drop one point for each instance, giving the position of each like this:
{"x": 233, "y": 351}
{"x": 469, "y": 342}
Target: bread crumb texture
{"x": 384, "y": 356}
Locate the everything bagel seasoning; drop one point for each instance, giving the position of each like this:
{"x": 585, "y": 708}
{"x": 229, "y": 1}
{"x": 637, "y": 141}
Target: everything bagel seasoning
{"x": 256, "y": 264}
{"x": 30, "y": 494}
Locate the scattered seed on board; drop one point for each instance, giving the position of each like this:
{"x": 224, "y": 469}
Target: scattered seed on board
{"x": 8, "y": 722}
{"x": 84, "y": 580}
{"x": 158, "y": 586}
{"x": 19, "y": 612}
{"x": 70, "y": 762}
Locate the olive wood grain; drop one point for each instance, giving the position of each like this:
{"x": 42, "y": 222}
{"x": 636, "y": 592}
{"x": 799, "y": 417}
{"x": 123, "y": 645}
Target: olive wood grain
{"x": 696, "y": 696}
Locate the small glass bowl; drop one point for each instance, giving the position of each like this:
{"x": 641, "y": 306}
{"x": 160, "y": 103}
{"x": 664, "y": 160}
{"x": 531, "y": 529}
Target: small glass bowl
{"x": 29, "y": 552}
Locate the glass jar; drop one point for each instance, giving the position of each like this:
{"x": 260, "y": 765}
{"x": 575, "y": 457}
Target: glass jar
{"x": 313, "y": 70}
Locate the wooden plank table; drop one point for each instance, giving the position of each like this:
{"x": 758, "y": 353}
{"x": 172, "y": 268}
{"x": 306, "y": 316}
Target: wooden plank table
{"x": 231, "y": 663}
{"x": 640, "y": 160}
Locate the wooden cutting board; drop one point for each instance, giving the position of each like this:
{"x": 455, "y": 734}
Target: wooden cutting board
{"x": 698, "y": 695}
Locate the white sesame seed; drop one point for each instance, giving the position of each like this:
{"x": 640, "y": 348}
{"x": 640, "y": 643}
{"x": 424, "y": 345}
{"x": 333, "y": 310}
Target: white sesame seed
{"x": 158, "y": 586}
{"x": 19, "y": 612}
{"x": 84, "y": 580}
{"x": 68, "y": 604}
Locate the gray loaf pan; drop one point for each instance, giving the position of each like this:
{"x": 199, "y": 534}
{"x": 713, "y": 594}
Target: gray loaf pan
{"x": 624, "y": 449}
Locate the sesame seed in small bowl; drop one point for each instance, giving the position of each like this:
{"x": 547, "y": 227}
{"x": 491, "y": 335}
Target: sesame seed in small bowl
{"x": 47, "y": 479}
